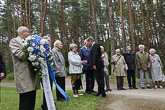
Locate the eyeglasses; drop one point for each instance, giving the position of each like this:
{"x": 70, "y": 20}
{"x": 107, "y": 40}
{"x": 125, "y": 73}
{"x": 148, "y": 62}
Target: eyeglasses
{"x": 26, "y": 31}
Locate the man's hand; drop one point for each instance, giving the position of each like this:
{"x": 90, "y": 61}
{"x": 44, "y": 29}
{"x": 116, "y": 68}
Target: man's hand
{"x": 84, "y": 62}
{"x": 148, "y": 66}
{"x": 94, "y": 67}
{"x": 57, "y": 74}
{"x": 2, "y": 76}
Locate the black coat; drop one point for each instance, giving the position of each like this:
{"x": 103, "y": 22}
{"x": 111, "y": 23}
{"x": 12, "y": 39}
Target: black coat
{"x": 2, "y": 65}
{"x": 95, "y": 57}
{"x": 130, "y": 60}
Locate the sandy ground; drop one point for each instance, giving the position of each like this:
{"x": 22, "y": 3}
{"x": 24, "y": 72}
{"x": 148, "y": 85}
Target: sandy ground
{"x": 147, "y": 99}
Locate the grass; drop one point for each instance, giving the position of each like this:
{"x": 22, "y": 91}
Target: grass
{"x": 10, "y": 100}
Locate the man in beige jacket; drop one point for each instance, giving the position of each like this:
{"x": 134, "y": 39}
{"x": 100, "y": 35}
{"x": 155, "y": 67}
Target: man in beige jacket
{"x": 24, "y": 82}
{"x": 119, "y": 68}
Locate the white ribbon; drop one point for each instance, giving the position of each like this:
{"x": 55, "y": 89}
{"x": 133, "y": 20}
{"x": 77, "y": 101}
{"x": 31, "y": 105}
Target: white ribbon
{"x": 47, "y": 89}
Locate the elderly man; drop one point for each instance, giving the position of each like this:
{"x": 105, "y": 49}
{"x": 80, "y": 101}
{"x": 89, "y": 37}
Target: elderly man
{"x": 118, "y": 69}
{"x": 24, "y": 82}
{"x": 60, "y": 70}
{"x": 106, "y": 72}
{"x": 96, "y": 64}
{"x": 143, "y": 63}
{"x": 2, "y": 69}
{"x": 84, "y": 54}
{"x": 130, "y": 58}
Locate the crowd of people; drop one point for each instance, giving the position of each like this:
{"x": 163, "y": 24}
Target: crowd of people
{"x": 91, "y": 60}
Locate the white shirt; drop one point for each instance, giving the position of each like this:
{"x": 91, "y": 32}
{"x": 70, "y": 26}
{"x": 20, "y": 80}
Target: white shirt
{"x": 93, "y": 44}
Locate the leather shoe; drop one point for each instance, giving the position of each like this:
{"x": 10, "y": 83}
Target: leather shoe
{"x": 122, "y": 89}
{"x": 101, "y": 95}
{"x": 143, "y": 87}
{"x": 60, "y": 100}
{"x": 97, "y": 94}
{"x": 130, "y": 87}
{"x": 93, "y": 91}
{"x": 88, "y": 92}
{"x": 148, "y": 87}
{"x": 135, "y": 88}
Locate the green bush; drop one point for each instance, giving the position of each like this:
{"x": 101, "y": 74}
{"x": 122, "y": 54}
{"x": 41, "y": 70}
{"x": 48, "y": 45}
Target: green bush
{"x": 9, "y": 77}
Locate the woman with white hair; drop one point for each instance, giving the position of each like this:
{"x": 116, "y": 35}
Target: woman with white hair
{"x": 156, "y": 68}
{"x": 75, "y": 69}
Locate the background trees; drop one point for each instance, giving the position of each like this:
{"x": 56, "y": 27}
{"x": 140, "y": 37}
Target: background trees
{"x": 114, "y": 24}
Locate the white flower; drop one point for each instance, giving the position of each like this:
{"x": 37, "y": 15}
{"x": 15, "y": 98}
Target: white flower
{"x": 42, "y": 48}
{"x": 35, "y": 69}
{"x": 43, "y": 41}
{"x": 41, "y": 59}
{"x": 35, "y": 63}
{"x": 33, "y": 44}
{"x": 30, "y": 49}
{"x": 28, "y": 38}
{"x": 25, "y": 44}
{"x": 32, "y": 57}
{"x": 33, "y": 38}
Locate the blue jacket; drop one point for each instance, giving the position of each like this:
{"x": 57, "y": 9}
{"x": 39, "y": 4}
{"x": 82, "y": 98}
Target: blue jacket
{"x": 84, "y": 54}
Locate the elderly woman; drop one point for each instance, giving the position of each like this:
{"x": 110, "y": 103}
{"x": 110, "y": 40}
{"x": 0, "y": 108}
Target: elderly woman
{"x": 75, "y": 69}
{"x": 156, "y": 68}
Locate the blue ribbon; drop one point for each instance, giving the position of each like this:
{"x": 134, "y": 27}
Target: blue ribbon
{"x": 53, "y": 78}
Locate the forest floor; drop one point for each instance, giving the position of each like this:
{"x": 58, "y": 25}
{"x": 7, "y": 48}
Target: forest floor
{"x": 140, "y": 99}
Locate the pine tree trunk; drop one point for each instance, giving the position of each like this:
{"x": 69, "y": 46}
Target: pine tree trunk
{"x": 14, "y": 20}
{"x": 144, "y": 25}
{"x": 90, "y": 18}
{"x": 94, "y": 21}
{"x": 29, "y": 16}
{"x": 122, "y": 26}
{"x": 148, "y": 24}
{"x": 17, "y": 12}
{"x": 27, "y": 24}
{"x": 111, "y": 30}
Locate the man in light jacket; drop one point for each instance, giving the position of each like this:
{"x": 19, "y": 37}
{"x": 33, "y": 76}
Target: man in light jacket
{"x": 24, "y": 82}
{"x": 59, "y": 70}
{"x": 119, "y": 68}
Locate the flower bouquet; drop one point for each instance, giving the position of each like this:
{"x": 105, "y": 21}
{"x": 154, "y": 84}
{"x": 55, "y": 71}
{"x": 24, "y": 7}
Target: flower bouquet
{"x": 37, "y": 51}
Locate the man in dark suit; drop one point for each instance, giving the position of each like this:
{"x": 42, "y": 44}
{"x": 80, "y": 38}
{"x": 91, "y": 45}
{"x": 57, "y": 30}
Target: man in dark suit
{"x": 84, "y": 54}
{"x": 2, "y": 69}
{"x": 96, "y": 64}
{"x": 129, "y": 57}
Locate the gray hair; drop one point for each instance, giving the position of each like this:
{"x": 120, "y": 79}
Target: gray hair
{"x": 141, "y": 46}
{"x": 152, "y": 49}
{"x": 117, "y": 50}
{"x": 90, "y": 38}
{"x": 85, "y": 41}
{"x": 21, "y": 29}
{"x": 72, "y": 46}
{"x": 46, "y": 37}
{"x": 56, "y": 42}
{"x": 101, "y": 47}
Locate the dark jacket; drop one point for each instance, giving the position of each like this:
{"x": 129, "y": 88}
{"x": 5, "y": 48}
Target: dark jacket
{"x": 95, "y": 57}
{"x": 84, "y": 54}
{"x": 130, "y": 60}
{"x": 2, "y": 66}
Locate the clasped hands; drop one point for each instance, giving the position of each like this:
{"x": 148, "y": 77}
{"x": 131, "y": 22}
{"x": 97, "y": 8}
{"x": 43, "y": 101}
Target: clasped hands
{"x": 84, "y": 62}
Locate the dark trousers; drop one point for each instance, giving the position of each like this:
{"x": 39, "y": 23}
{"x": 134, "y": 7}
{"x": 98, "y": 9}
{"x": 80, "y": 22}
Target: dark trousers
{"x": 99, "y": 73}
{"x": 27, "y": 100}
{"x": 131, "y": 74}
{"x": 89, "y": 80}
{"x": 61, "y": 82}
{"x": 120, "y": 82}
{"x": 44, "y": 105}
